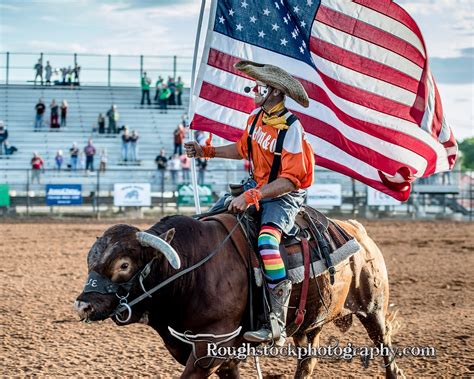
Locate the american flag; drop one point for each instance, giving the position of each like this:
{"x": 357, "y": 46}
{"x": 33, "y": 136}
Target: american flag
{"x": 375, "y": 113}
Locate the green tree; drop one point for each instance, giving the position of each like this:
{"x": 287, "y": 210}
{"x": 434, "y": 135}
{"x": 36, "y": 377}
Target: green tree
{"x": 467, "y": 149}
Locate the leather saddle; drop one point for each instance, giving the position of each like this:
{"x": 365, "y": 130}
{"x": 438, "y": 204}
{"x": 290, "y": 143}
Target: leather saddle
{"x": 323, "y": 236}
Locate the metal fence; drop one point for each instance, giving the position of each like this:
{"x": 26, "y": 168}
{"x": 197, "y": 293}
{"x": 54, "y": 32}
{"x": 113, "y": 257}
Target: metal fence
{"x": 95, "y": 69}
{"x": 444, "y": 195}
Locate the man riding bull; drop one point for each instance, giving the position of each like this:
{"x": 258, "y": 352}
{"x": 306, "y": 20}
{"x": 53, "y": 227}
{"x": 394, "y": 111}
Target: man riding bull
{"x": 273, "y": 134}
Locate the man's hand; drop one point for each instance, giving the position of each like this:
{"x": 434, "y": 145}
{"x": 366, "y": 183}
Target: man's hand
{"x": 193, "y": 150}
{"x": 238, "y": 204}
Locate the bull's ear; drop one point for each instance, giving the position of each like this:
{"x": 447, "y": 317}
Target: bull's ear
{"x": 168, "y": 235}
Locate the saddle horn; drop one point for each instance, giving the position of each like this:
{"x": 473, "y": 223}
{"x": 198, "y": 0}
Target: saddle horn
{"x": 147, "y": 239}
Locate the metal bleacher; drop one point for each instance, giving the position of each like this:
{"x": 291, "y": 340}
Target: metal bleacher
{"x": 155, "y": 129}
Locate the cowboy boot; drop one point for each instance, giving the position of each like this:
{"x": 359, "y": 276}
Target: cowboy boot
{"x": 279, "y": 300}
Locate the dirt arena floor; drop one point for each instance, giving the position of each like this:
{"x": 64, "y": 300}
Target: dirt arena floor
{"x": 43, "y": 269}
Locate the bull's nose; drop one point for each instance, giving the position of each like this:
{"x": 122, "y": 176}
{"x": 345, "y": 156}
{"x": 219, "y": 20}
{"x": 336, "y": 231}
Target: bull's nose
{"x": 82, "y": 308}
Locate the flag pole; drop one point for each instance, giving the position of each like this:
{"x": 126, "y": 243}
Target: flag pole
{"x": 197, "y": 204}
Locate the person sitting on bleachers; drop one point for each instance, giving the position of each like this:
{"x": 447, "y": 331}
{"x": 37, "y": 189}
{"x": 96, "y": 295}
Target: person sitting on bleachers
{"x": 3, "y": 139}
{"x": 9, "y": 150}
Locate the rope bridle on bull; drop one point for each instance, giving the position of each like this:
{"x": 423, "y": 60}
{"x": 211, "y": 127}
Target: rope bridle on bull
{"x": 98, "y": 283}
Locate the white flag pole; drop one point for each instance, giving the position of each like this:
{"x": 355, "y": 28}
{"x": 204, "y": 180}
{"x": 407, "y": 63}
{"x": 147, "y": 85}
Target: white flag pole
{"x": 197, "y": 204}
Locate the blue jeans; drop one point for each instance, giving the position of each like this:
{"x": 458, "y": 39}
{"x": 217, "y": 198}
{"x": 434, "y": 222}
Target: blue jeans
{"x": 38, "y": 121}
{"x": 124, "y": 151}
{"x": 279, "y": 211}
{"x": 133, "y": 151}
{"x": 73, "y": 163}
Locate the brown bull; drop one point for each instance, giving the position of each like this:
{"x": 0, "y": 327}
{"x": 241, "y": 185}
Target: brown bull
{"x": 212, "y": 299}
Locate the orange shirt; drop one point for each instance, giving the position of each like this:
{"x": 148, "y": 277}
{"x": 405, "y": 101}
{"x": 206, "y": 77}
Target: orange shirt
{"x": 297, "y": 159}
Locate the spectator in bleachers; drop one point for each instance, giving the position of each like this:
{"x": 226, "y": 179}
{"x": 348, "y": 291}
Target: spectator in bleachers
{"x": 48, "y": 72}
{"x": 165, "y": 94}
{"x": 125, "y": 143}
{"x": 74, "y": 155}
{"x": 89, "y": 151}
{"x": 101, "y": 123}
{"x": 3, "y": 139}
{"x": 9, "y": 150}
{"x": 54, "y": 124}
{"x": 64, "y": 74}
{"x": 81, "y": 161}
{"x": 145, "y": 83}
{"x": 134, "y": 146}
{"x": 103, "y": 160}
{"x": 179, "y": 90}
{"x": 185, "y": 167}
{"x": 113, "y": 117}
{"x": 58, "y": 160}
{"x": 179, "y": 134}
{"x": 172, "y": 87}
{"x": 184, "y": 120}
{"x": 158, "y": 87}
{"x": 39, "y": 71}
{"x": 69, "y": 75}
{"x": 76, "y": 70}
{"x": 36, "y": 167}
{"x": 63, "y": 113}
{"x": 161, "y": 163}
{"x": 40, "y": 109}
{"x": 202, "y": 165}
{"x": 174, "y": 165}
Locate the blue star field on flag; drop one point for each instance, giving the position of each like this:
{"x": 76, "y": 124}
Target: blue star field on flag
{"x": 282, "y": 26}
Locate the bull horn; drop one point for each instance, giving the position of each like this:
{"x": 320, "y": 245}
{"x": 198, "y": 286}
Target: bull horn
{"x": 147, "y": 239}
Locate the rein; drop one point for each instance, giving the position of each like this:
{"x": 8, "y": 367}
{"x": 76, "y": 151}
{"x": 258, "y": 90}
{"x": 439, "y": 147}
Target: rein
{"x": 126, "y": 306}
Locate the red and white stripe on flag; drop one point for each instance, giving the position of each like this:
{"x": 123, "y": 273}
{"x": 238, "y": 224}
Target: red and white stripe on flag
{"x": 375, "y": 113}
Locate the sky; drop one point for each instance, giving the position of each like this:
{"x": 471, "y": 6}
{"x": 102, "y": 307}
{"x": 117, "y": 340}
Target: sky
{"x": 168, "y": 27}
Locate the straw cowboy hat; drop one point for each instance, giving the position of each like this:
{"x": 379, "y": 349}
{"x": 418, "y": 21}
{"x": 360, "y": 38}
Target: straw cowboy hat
{"x": 275, "y": 77}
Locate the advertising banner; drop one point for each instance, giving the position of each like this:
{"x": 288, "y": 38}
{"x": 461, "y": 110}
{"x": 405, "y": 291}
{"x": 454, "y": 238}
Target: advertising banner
{"x": 63, "y": 194}
{"x": 324, "y": 195}
{"x": 4, "y": 195}
{"x": 186, "y": 194}
{"x": 375, "y": 197}
{"x": 132, "y": 194}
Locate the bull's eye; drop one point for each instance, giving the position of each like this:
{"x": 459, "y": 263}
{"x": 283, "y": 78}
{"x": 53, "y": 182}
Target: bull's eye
{"x": 124, "y": 266}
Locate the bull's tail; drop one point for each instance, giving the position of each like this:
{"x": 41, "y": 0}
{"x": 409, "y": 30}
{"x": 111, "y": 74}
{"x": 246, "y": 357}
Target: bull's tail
{"x": 392, "y": 324}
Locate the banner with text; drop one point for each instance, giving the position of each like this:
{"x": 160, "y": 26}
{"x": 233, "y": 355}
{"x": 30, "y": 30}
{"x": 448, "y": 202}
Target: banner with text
{"x": 325, "y": 195}
{"x": 186, "y": 194}
{"x": 63, "y": 194}
{"x": 375, "y": 197}
{"x": 132, "y": 194}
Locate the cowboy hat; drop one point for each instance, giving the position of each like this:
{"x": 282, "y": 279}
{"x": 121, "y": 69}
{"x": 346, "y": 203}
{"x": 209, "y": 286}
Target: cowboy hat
{"x": 275, "y": 77}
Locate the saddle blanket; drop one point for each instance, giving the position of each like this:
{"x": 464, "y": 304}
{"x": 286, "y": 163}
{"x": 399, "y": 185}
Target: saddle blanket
{"x": 318, "y": 266}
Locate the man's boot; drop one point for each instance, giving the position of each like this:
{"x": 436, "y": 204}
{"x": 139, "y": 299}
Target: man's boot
{"x": 279, "y": 300}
